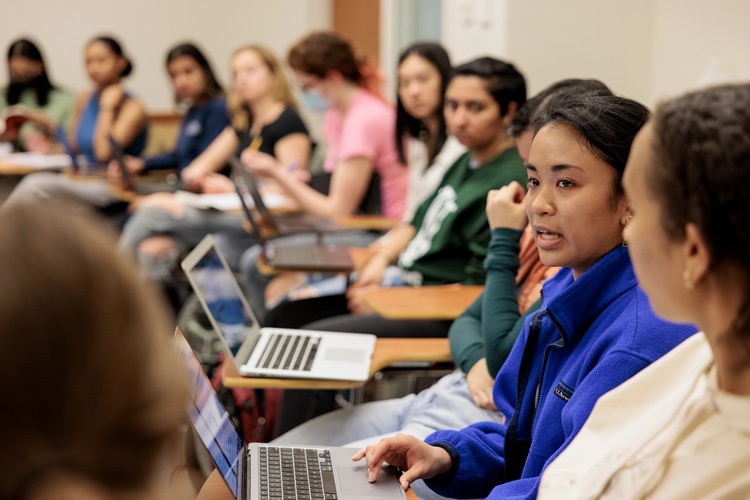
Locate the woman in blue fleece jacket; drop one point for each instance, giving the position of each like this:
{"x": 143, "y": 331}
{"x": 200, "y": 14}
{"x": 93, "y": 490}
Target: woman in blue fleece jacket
{"x": 595, "y": 327}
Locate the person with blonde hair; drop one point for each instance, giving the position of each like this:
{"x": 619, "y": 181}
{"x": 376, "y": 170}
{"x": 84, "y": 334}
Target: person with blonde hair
{"x": 261, "y": 105}
{"x": 94, "y": 398}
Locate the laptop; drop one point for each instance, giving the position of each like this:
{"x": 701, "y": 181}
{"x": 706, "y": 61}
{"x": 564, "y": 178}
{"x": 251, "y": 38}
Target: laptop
{"x": 283, "y": 224}
{"x": 264, "y": 472}
{"x": 270, "y": 352}
{"x": 80, "y": 167}
{"x": 126, "y": 178}
{"x": 318, "y": 257}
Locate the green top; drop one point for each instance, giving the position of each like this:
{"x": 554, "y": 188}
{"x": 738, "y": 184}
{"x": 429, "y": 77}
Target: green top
{"x": 59, "y": 106}
{"x": 491, "y": 324}
{"x": 452, "y": 230}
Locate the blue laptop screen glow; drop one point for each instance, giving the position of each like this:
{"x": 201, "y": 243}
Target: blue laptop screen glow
{"x": 217, "y": 286}
{"x": 211, "y": 421}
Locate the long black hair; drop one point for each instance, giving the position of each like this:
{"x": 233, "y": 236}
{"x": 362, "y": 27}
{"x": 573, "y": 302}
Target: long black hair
{"x": 213, "y": 87}
{"x": 41, "y": 84}
{"x": 436, "y": 55}
{"x": 116, "y": 48}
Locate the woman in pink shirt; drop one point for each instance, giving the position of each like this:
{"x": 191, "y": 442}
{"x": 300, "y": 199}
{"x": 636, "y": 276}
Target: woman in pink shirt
{"x": 358, "y": 130}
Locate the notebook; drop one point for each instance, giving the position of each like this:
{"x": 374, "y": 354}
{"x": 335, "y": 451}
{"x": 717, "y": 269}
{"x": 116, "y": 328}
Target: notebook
{"x": 316, "y": 257}
{"x": 283, "y": 224}
{"x": 266, "y": 472}
{"x": 270, "y": 352}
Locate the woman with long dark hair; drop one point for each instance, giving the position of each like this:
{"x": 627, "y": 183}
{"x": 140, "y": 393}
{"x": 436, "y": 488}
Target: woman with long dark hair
{"x": 35, "y": 98}
{"x": 196, "y": 87}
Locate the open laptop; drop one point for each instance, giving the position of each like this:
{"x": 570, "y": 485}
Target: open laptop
{"x": 128, "y": 182}
{"x": 283, "y": 224}
{"x": 264, "y": 472}
{"x": 318, "y": 257}
{"x": 80, "y": 167}
{"x": 270, "y": 352}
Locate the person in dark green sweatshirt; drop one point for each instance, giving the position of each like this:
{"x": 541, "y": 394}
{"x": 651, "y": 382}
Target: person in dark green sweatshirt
{"x": 447, "y": 239}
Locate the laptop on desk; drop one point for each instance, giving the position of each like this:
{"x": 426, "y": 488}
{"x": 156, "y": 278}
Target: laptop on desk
{"x": 283, "y": 224}
{"x": 317, "y": 257}
{"x": 266, "y": 472}
{"x": 79, "y": 164}
{"x": 270, "y": 352}
{"x": 142, "y": 186}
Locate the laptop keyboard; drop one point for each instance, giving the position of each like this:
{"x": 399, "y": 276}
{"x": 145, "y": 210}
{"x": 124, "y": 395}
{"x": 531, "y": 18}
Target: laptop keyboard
{"x": 296, "y": 474}
{"x": 290, "y": 352}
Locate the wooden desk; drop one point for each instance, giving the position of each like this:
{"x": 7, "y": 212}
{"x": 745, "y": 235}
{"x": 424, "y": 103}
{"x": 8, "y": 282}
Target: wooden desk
{"x": 369, "y": 222}
{"x": 10, "y": 169}
{"x": 216, "y": 489}
{"x": 427, "y": 302}
{"x": 387, "y": 352}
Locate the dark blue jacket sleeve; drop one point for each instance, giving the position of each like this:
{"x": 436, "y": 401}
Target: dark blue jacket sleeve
{"x": 162, "y": 161}
{"x": 213, "y": 122}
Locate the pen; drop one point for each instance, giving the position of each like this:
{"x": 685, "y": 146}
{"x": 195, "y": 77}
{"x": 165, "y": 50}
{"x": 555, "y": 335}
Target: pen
{"x": 255, "y": 144}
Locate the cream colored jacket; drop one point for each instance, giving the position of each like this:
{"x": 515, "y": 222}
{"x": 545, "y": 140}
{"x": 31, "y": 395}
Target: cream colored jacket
{"x": 667, "y": 433}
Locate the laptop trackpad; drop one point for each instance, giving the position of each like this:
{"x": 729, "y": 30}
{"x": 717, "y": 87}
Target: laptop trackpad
{"x": 353, "y": 482}
{"x": 345, "y": 355}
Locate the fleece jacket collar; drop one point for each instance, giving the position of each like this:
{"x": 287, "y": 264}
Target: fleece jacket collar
{"x": 575, "y": 303}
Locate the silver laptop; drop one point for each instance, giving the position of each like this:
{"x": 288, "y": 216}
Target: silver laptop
{"x": 270, "y": 352}
{"x": 317, "y": 257}
{"x": 142, "y": 186}
{"x": 283, "y": 224}
{"x": 265, "y": 472}
{"x": 79, "y": 163}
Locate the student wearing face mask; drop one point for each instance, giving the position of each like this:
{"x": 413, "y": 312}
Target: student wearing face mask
{"x": 358, "y": 131}
{"x": 46, "y": 105}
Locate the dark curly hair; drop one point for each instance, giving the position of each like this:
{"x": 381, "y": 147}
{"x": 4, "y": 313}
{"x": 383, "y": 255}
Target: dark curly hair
{"x": 605, "y": 123}
{"x": 319, "y": 53}
{"x": 702, "y": 148}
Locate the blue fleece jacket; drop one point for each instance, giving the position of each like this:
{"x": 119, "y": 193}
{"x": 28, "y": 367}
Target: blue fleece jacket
{"x": 199, "y": 127}
{"x": 590, "y": 335}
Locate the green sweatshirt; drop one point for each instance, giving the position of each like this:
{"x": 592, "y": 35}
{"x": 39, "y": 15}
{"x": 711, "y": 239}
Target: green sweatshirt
{"x": 452, "y": 230}
{"x": 491, "y": 324}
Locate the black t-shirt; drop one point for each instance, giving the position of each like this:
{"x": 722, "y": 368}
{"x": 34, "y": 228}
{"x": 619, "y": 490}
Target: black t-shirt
{"x": 288, "y": 122}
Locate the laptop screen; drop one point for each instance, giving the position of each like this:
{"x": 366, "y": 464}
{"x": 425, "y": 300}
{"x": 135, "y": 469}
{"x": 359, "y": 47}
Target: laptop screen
{"x": 211, "y": 421}
{"x": 219, "y": 291}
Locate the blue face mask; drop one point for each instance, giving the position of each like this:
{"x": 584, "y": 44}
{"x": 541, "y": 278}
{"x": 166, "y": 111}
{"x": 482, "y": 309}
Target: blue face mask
{"x": 314, "y": 100}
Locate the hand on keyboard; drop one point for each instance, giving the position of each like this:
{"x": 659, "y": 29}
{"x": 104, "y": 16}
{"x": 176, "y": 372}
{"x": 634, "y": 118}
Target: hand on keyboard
{"x": 416, "y": 458}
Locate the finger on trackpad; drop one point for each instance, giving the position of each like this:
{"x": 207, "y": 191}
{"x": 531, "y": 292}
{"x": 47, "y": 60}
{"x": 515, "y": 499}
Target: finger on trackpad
{"x": 353, "y": 481}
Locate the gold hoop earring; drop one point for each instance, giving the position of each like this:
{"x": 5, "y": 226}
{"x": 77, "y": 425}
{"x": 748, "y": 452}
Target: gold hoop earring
{"x": 687, "y": 280}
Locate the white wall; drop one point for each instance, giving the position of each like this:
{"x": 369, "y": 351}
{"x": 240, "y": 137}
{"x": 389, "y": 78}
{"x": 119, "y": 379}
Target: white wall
{"x": 699, "y": 43}
{"x": 148, "y": 28}
{"x": 644, "y": 49}
{"x": 474, "y": 28}
{"x": 609, "y": 40}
